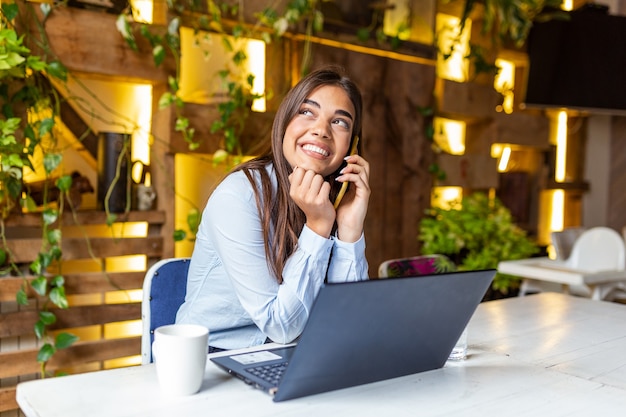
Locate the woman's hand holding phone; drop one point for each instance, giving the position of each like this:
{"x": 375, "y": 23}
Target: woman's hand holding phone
{"x": 353, "y": 205}
{"x": 344, "y": 186}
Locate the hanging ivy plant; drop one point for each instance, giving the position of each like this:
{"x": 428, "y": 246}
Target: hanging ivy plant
{"x": 29, "y": 105}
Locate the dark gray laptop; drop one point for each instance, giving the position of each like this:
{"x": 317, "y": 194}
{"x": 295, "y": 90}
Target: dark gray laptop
{"x": 367, "y": 331}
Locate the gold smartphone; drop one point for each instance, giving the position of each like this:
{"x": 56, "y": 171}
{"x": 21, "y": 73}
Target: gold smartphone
{"x": 344, "y": 186}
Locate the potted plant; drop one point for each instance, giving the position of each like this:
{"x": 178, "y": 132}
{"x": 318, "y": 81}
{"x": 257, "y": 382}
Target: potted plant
{"x": 477, "y": 233}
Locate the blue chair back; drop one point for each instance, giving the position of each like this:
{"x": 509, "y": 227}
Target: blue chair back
{"x": 164, "y": 289}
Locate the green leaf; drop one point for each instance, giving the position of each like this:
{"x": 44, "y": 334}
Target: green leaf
{"x": 238, "y": 31}
{"x": 318, "y": 21}
{"x": 179, "y": 235}
{"x": 158, "y": 54}
{"x": 47, "y": 317}
{"x": 193, "y": 220}
{"x": 181, "y": 124}
{"x": 363, "y": 34}
{"x": 46, "y": 127}
{"x": 216, "y": 126}
{"x": 29, "y": 203}
{"x": 55, "y": 252}
{"x": 50, "y": 160}
{"x": 40, "y": 329}
{"x": 45, "y": 353}
{"x": 64, "y": 340}
{"x": 172, "y": 27}
{"x": 57, "y": 70}
{"x": 220, "y": 156}
{"x": 45, "y": 9}
{"x": 57, "y": 281}
{"x": 50, "y": 216}
{"x": 3, "y": 256}
{"x": 165, "y": 100}
{"x": 9, "y": 10}
{"x": 54, "y": 236}
{"x": 57, "y": 296}
{"x": 35, "y": 267}
{"x": 172, "y": 82}
{"x": 64, "y": 183}
{"x": 266, "y": 37}
{"x": 21, "y": 297}
{"x": 230, "y": 139}
{"x": 40, "y": 285}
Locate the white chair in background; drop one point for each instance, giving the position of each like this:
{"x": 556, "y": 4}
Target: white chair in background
{"x": 596, "y": 266}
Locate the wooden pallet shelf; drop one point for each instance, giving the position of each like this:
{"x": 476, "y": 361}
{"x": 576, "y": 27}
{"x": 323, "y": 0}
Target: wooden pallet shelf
{"x": 18, "y": 345}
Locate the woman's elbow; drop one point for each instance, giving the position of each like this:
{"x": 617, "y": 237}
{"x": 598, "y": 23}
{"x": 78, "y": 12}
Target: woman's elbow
{"x": 282, "y": 335}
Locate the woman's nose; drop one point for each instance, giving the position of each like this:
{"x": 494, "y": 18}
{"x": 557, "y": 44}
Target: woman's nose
{"x": 321, "y": 129}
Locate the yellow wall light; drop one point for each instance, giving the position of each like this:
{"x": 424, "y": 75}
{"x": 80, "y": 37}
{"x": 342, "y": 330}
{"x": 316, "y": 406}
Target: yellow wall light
{"x": 454, "y": 67}
{"x": 449, "y": 135}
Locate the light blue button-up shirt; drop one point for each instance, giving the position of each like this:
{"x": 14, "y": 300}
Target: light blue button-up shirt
{"x": 230, "y": 287}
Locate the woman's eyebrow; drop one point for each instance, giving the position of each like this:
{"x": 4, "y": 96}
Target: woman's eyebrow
{"x": 338, "y": 111}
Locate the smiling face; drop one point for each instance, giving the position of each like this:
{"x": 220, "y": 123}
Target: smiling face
{"x": 318, "y": 136}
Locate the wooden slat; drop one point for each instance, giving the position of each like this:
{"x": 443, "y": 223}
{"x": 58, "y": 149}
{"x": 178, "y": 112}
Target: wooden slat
{"x": 88, "y": 41}
{"x": 26, "y": 250}
{"x": 7, "y": 399}
{"x": 21, "y": 323}
{"x": 84, "y": 217}
{"x": 24, "y": 362}
{"x": 85, "y": 283}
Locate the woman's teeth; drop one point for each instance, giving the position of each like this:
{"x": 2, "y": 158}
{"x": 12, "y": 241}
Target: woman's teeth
{"x": 316, "y": 149}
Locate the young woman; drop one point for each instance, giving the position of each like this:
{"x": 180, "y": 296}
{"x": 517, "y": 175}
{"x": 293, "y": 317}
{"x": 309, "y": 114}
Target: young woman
{"x": 270, "y": 235}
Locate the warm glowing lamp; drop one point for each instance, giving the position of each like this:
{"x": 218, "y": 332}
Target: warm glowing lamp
{"x": 504, "y": 82}
{"x": 450, "y": 135}
{"x": 455, "y": 67}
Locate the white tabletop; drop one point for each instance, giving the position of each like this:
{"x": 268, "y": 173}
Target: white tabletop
{"x": 546, "y": 354}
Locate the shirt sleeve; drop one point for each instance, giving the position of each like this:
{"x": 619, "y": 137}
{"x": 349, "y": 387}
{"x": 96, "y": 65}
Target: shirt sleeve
{"x": 232, "y": 222}
{"x": 348, "y": 262}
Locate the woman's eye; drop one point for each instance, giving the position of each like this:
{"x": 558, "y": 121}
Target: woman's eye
{"x": 342, "y": 123}
{"x": 306, "y": 112}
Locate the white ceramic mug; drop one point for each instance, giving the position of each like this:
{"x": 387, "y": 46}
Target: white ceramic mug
{"x": 180, "y": 353}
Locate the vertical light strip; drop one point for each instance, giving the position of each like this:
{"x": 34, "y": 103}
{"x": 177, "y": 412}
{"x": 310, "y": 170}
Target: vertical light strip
{"x": 141, "y": 136}
{"x": 504, "y": 82}
{"x": 256, "y": 61}
{"x": 558, "y": 206}
{"x": 561, "y": 147}
{"x": 504, "y": 159}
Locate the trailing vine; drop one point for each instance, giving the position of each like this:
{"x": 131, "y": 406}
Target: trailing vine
{"x": 222, "y": 19}
{"x": 29, "y": 105}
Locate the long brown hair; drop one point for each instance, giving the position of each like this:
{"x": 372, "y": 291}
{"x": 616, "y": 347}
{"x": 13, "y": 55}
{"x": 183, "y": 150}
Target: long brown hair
{"x": 277, "y": 210}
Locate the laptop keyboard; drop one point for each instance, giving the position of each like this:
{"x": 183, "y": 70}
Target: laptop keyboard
{"x": 269, "y": 373}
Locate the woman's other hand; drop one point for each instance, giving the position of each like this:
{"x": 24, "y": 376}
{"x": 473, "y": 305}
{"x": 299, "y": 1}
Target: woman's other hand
{"x": 311, "y": 193}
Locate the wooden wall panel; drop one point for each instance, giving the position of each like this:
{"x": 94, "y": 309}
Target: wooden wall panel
{"x": 92, "y": 313}
{"x": 394, "y": 143}
{"x": 617, "y": 196}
